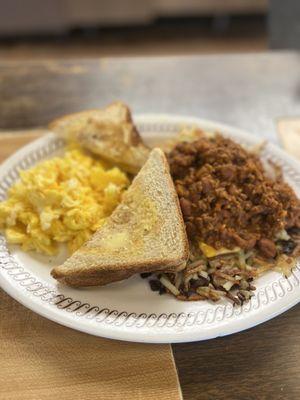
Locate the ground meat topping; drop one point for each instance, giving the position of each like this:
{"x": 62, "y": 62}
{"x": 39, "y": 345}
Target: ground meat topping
{"x": 226, "y": 197}
{"x": 267, "y": 248}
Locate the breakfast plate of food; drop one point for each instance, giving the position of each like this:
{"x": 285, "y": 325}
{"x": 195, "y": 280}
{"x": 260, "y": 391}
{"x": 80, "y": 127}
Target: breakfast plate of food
{"x": 154, "y": 228}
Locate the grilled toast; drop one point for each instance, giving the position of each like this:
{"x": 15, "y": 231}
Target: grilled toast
{"x": 108, "y": 132}
{"x": 145, "y": 233}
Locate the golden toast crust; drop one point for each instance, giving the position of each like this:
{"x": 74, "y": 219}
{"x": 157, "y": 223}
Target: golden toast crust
{"x": 108, "y": 132}
{"x": 145, "y": 233}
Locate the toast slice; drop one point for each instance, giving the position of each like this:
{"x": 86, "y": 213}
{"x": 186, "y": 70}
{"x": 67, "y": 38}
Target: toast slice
{"x": 109, "y": 133}
{"x": 145, "y": 233}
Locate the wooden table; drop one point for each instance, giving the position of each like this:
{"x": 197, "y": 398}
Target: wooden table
{"x": 248, "y": 91}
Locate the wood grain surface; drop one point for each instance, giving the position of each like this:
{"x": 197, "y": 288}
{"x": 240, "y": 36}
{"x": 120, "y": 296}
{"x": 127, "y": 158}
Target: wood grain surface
{"x": 289, "y": 135}
{"x": 10, "y": 142}
{"x": 43, "y": 360}
{"x": 259, "y": 364}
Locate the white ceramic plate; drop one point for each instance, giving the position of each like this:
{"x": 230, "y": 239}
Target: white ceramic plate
{"x": 128, "y": 310}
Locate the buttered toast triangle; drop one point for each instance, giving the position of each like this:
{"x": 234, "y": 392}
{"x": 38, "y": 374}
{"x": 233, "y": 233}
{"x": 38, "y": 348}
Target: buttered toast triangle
{"x": 108, "y": 132}
{"x": 145, "y": 233}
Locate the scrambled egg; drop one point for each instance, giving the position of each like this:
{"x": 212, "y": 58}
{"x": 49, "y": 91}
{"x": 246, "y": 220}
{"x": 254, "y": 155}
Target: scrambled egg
{"x": 64, "y": 199}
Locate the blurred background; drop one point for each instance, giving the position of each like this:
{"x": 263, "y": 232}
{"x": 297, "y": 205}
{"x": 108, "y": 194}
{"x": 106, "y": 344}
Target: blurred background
{"x": 35, "y": 29}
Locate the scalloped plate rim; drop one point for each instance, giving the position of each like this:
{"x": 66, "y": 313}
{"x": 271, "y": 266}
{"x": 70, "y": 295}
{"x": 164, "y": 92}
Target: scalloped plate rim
{"x": 153, "y": 336}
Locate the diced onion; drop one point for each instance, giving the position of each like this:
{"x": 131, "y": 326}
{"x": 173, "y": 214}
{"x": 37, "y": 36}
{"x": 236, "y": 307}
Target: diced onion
{"x": 283, "y": 235}
{"x": 204, "y": 274}
{"x": 165, "y": 281}
{"x": 228, "y": 285}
